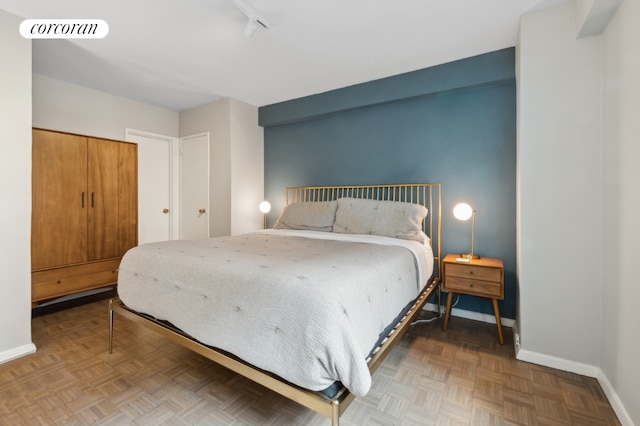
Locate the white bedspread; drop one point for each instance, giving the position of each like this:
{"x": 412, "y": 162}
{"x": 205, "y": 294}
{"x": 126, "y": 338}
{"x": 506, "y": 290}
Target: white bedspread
{"x": 307, "y": 306}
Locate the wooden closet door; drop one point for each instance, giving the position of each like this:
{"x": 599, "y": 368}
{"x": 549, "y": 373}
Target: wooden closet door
{"x": 127, "y": 197}
{"x": 59, "y": 199}
{"x": 102, "y": 166}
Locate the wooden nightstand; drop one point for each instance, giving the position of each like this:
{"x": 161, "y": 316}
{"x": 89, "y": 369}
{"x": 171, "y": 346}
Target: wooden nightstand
{"x": 482, "y": 277}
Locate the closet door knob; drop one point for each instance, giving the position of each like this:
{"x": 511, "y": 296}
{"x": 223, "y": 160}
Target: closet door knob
{"x": 202, "y": 211}
{"x": 165, "y": 211}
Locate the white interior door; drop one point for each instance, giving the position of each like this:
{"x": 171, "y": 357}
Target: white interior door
{"x": 194, "y": 186}
{"x": 156, "y": 210}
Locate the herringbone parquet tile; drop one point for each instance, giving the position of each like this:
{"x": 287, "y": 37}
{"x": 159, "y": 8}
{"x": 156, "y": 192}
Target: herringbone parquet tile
{"x": 461, "y": 377}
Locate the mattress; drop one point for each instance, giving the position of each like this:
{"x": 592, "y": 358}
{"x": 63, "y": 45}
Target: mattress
{"x": 307, "y": 306}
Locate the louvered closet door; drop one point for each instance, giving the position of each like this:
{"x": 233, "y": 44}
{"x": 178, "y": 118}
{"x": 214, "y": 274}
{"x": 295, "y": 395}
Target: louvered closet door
{"x": 103, "y": 199}
{"x": 59, "y": 199}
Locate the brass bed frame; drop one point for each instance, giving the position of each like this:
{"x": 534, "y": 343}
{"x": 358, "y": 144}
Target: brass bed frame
{"x": 429, "y": 195}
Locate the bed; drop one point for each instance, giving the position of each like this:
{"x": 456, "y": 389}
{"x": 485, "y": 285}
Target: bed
{"x": 315, "y": 304}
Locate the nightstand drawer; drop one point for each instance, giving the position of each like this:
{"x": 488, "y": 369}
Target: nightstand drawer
{"x": 473, "y": 272}
{"x": 482, "y": 277}
{"x": 490, "y": 289}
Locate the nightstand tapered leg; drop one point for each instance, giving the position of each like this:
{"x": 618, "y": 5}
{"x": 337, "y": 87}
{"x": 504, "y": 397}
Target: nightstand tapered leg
{"x": 496, "y": 311}
{"x": 447, "y": 311}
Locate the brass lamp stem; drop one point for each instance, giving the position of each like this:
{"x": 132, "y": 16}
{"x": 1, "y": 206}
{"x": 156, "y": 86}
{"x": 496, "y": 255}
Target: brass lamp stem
{"x": 473, "y": 232}
{"x": 472, "y": 255}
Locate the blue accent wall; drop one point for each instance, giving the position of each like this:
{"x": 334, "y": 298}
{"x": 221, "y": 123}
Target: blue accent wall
{"x": 454, "y": 124}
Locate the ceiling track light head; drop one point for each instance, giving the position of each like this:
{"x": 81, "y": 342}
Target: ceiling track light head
{"x": 251, "y": 27}
{"x": 253, "y": 19}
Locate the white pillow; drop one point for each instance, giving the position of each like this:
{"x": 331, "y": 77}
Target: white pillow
{"x": 386, "y": 218}
{"x": 313, "y": 216}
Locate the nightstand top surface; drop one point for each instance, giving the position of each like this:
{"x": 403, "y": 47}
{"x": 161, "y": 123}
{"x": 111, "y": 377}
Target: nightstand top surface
{"x": 483, "y": 261}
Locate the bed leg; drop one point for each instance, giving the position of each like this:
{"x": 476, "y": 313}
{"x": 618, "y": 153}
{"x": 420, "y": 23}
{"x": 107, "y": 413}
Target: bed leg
{"x": 439, "y": 300}
{"x": 110, "y": 325}
{"x": 335, "y": 413}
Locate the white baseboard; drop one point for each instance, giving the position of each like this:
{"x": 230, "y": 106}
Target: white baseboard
{"x": 18, "y": 352}
{"x": 584, "y": 370}
{"x": 549, "y": 361}
{"x": 614, "y": 400}
{"x": 462, "y": 313}
{"x": 557, "y": 363}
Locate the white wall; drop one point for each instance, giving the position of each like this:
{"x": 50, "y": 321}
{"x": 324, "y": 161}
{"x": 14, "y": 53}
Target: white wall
{"x": 15, "y": 190}
{"x": 215, "y": 119}
{"x": 578, "y": 176}
{"x": 559, "y": 89}
{"x": 247, "y": 171}
{"x": 237, "y": 163}
{"x": 620, "y": 347}
{"x": 58, "y": 105}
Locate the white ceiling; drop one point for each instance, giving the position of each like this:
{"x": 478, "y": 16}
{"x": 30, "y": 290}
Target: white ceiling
{"x": 179, "y": 54}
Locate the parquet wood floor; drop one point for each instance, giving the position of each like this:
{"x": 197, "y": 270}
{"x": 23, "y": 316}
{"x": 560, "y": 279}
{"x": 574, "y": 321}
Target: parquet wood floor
{"x": 461, "y": 377}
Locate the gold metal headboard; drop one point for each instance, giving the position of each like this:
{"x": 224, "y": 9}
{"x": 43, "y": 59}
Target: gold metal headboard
{"x": 426, "y": 194}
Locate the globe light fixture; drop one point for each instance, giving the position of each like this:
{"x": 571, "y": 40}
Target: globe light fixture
{"x": 265, "y": 207}
{"x": 464, "y": 211}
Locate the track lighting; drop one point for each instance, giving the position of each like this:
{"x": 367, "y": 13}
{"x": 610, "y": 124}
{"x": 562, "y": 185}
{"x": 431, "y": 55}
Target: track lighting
{"x": 253, "y": 19}
{"x": 251, "y": 27}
